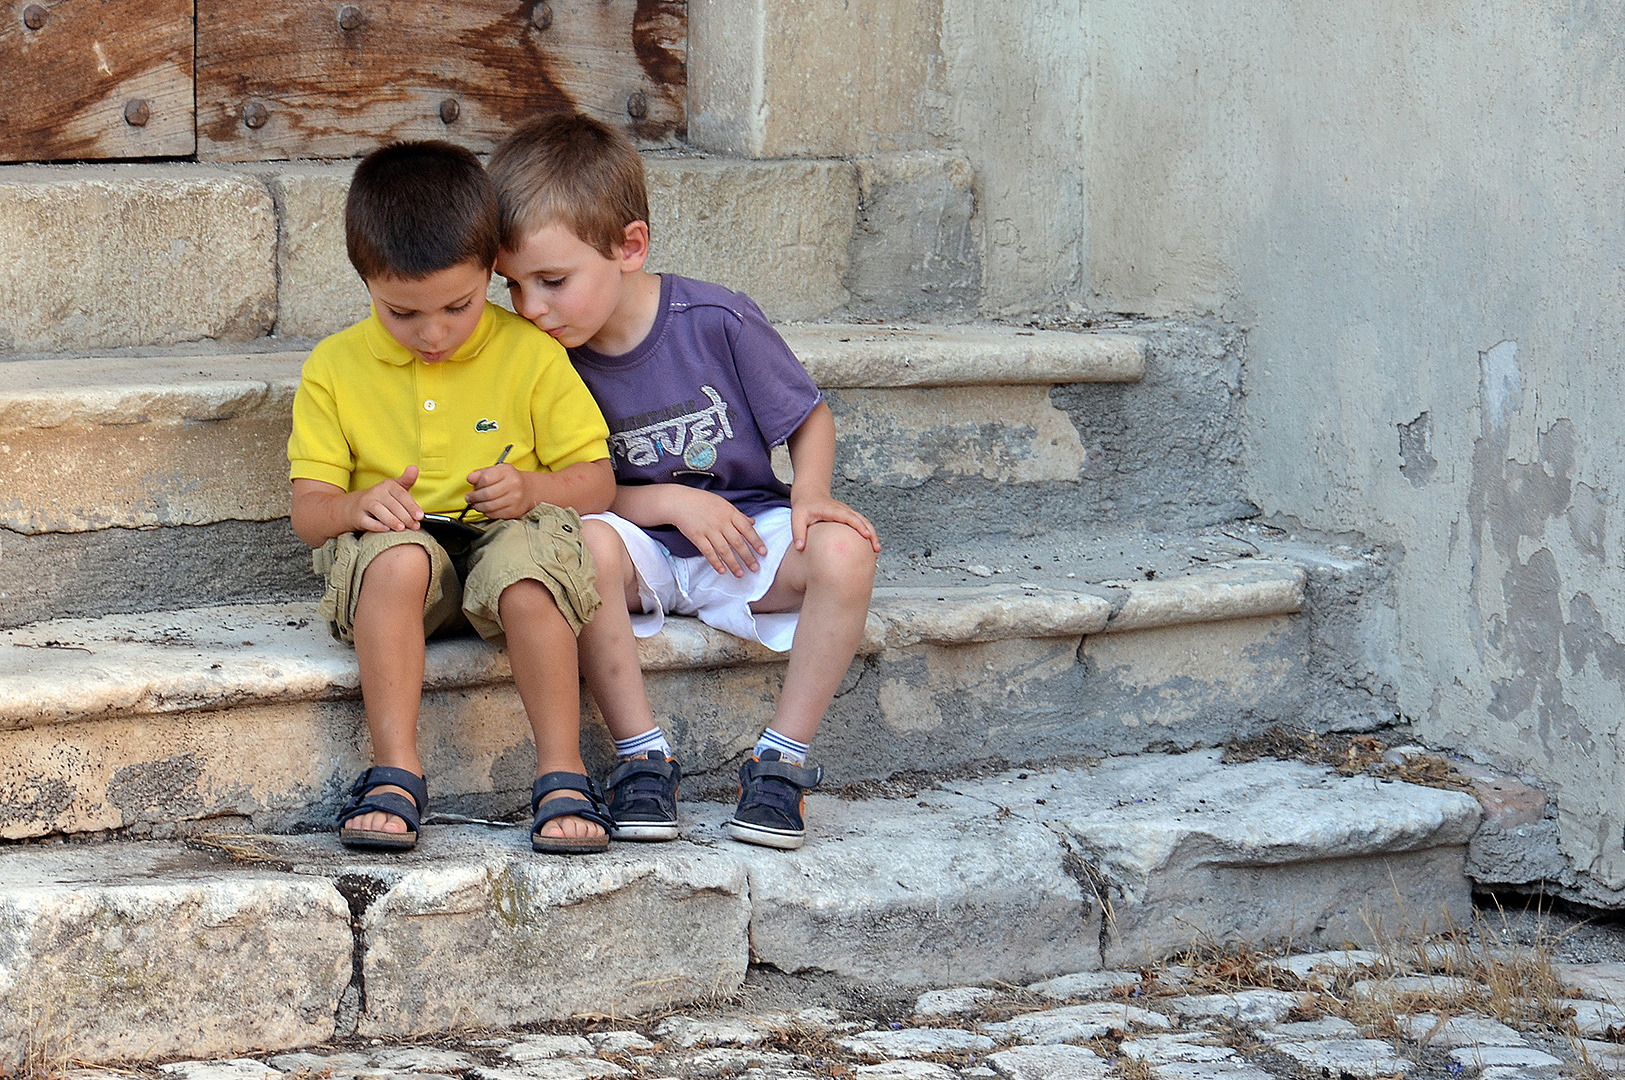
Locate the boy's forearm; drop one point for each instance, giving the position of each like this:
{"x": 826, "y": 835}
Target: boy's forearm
{"x": 320, "y": 511}
{"x": 812, "y": 453}
{"x": 648, "y": 505}
{"x": 587, "y": 487}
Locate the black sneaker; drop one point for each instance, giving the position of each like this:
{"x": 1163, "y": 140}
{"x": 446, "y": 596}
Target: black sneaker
{"x": 770, "y": 802}
{"x": 643, "y": 797}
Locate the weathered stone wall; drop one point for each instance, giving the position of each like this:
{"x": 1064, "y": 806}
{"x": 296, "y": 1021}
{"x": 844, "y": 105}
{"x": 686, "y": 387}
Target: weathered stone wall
{"x": 1414, "y": 213}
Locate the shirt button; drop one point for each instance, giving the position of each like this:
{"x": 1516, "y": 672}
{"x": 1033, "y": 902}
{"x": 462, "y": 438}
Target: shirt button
{"x": 428, "y": 406}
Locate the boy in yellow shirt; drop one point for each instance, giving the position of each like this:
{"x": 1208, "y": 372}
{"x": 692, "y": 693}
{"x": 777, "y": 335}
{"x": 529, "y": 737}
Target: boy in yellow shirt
{"x": 403, "y": 415}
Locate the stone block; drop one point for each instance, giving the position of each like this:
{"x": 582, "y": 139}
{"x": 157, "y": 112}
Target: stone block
{"x": 904, "y": 1069}
{"x": 1443, "y": 987}
{"x": 1469, "y": 1030}
{"x": 1262, "y": 588}
{"x": 106, "y": 256}
{"x": 1189, "y": 850}
{"x": 904, "y": 438}
{"x": 910, "y": 1042}
{"x": 1217, "y": 666}
{"x": 778, "y": 231}
{"x": 1076, "y": 1023}
{"x": 841, "y": 355}
{"x": 1327, "y": 1027}
{"x": 781, "y": 79}
{"x": 1321, "y": 969}
{"x": 46, "y": 577}
{"x": 952, "y": 1002}
{"x": 153, "y": 950}
{"x": 1085, "y": 984}
{"x": 134, "y": 442}
{"x": 1366, "y": 1058}
{"x": 1504, "y": 1057}
{"x": 1050, "y": 1063}
{"x": 1209, "y": 1070}
{"x": 1247, "y": 1006}
{"x": 320, "y": 291}
{"x": 915, "y": 252}
{"x": 1605, "y": 982}
{"x": 1192, "y": 1047}
{"x": 939, "y": 896}
{"x": 153, "y": 773}
{"x": 509, "y": 938}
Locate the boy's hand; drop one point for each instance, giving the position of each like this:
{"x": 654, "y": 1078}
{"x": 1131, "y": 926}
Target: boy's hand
{"x": 821, "y": 507}
{"x": 725, "y": 536}
{"x": 499, "y": 492}
{"x": 388, "y": 505}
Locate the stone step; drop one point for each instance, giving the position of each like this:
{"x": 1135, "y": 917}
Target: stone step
{"x": 181, "y": 252}
{"x": 139, "y": 483}
{"x": 175, "y": 720}
{"x": 123, "y": 948}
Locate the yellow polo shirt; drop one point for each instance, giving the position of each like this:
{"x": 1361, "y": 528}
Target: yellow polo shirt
{"x": 367, "y": 408}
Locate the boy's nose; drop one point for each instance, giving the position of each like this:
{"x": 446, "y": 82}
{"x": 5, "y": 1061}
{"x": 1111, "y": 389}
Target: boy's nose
{"x": 528, "y": 302}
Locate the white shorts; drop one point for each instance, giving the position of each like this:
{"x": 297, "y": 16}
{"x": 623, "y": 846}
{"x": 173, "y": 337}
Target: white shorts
{"x": 670, "y": 584}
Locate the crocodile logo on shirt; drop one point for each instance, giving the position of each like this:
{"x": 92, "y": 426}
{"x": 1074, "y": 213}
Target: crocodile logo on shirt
{"x": 483, "y": 424}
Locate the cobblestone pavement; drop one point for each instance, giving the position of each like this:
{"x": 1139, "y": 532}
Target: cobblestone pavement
{"x": 1483, "y": 1007}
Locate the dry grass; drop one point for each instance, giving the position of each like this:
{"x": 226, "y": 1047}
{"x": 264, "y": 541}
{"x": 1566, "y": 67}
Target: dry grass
{"x": 1133, "y": 1068}
{"x": 44, "y": 1053}
{"x": 1516, "y": 985}
{"x": 1349, "y": 755}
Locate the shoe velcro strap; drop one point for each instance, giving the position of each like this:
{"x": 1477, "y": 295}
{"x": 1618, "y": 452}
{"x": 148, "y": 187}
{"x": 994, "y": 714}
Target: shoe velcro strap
{"x": 637, "y": 767}
{"x": 798, "y": 775}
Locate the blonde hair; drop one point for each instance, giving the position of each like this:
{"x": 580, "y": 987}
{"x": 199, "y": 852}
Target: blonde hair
{"x": 570, "y": 169}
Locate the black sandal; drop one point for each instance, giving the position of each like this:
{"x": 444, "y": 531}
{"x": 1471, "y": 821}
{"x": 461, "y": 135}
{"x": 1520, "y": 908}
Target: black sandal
{"x": 591, "y": 808}
{"x": 362, "y": 801}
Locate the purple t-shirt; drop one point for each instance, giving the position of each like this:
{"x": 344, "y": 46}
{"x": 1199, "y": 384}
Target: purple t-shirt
{"x": 702, "y": 400}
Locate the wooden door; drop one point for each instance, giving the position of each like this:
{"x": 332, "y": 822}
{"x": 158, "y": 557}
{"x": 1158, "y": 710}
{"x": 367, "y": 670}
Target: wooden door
{"x": 96, "y": 79}
{"x": 105, "y": 79}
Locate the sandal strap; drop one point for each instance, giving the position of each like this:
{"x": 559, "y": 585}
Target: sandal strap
{"x": 592, "y": 807}
{"x": 801, "y": 776}
{"x": 363, "y": 801}
{"x": 568, "y": 807}
{"x": 563, "y": 781}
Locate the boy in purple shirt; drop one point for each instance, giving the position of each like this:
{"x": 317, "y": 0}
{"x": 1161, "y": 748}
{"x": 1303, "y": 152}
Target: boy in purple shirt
{"x": 697, "y": 389}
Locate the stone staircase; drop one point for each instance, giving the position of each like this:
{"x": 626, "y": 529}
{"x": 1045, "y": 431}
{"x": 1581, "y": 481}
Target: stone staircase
{"x": 1068, "y": 578}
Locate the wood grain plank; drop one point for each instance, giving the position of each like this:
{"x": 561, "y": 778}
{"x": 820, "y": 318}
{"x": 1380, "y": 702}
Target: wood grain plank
{"x": 71, "y": 68}
{"x": 335, "y": 78}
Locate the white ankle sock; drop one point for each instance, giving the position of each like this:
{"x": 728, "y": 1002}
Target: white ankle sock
{"x": 789, "y": 750}
{"x": 639, "y": 745}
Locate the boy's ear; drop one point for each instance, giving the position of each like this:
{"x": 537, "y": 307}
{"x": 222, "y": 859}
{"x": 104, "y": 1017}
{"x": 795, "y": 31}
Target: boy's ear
{"x": 634, "y": 247}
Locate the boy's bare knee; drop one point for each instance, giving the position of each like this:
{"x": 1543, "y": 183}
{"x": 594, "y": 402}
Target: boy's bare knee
{"x": 404, "y": 567}
{"x": 612, "y": 561}
{"x": 527, "y": 598}
{"x": 608, "y": 552}
{"x": 839, "y": 557}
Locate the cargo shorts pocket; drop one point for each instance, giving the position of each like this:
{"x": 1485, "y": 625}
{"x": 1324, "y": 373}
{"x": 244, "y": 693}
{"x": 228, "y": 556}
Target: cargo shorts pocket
{"x": 545, "y": 546}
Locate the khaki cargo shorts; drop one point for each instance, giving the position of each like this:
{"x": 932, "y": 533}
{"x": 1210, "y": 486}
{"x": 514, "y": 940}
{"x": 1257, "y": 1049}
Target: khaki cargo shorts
{"x": 545, "y": 545}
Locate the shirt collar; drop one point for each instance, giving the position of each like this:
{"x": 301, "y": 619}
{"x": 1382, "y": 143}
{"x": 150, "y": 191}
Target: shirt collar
{"x": 386, "y": 348}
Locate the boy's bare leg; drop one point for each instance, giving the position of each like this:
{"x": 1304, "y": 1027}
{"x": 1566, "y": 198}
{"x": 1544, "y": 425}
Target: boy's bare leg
{"x": 609, "y": 650}
{"x": 389, "y": 649}
{"x": 831, "y": 579}
{"x": 542, "y": 652}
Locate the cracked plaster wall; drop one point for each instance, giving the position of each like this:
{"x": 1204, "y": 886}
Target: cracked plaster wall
{"x": 1414, "y": 210}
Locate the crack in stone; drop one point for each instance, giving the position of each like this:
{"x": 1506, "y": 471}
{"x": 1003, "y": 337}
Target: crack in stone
{"x": 359, "y": 892}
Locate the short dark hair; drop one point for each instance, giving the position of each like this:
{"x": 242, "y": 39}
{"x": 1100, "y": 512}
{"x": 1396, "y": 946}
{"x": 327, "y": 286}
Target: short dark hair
{"x": 416, "y": 208}
{"x": 571, "y": 169}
